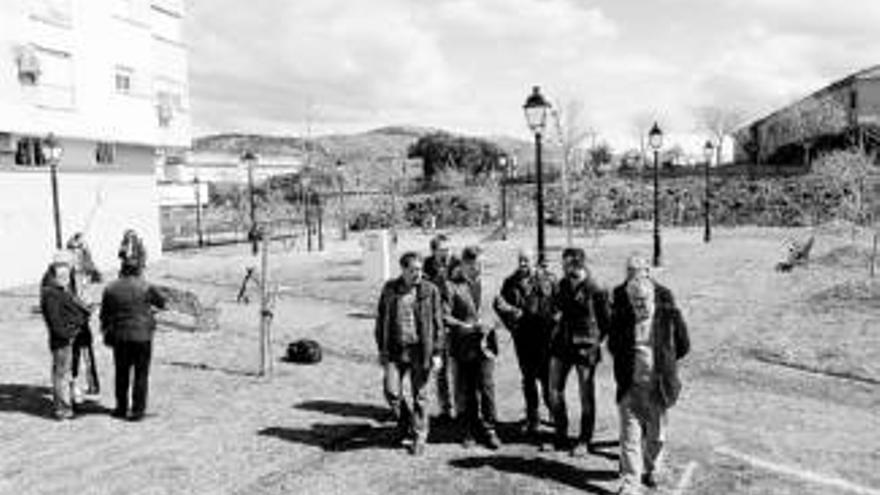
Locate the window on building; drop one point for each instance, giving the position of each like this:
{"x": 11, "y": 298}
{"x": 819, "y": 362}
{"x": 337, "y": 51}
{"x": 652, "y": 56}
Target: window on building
{"x": 55, "y": 79}
{"x": 165, "y": 106}
{"x": 123, "y": 78}
{"x": 28, "y": 66}
{"x": 29, "y": 152}
{"x": 105, "y": 153}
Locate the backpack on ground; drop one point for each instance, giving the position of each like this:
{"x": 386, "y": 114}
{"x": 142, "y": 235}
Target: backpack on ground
{"x": 304, "y": 351}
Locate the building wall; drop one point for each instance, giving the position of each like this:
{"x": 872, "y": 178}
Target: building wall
{"x": 101, "y": 206}
{"x": 83, "y": 47}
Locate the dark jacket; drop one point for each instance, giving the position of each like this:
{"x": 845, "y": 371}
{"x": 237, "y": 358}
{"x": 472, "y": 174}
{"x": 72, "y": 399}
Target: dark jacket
{"x": 525, "y": 302}
{"x": 127, "y": 310}
{"x": 63, "y": 313}
{"x": 429, "y": 320}
{"x": 584, "y": 320}
{"x": 468, "y": 341}
{"x": 671, "y": 343}
{"x": 436, "y": 272}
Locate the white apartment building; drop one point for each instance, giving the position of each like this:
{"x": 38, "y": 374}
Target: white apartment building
{"x": 109, "y": 79}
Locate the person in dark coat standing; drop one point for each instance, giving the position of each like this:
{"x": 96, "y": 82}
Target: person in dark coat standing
{"x": 473, "y": 347}
{"x": 436, "y": 268}
{"x": 525, "y": 306}
{"x": 583, "y": 324}
{"x": 65, "y": 315}
{"x": 128, "y": 325}
{"x": 647, "y": 338}
{"x": 409, "y": 339}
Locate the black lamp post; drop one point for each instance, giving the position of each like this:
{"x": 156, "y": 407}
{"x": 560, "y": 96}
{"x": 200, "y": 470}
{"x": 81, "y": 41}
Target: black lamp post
{"x": 502, "y": 164}
{"x": 342, "y": 211}
{"x": 655, "y": 139}
{"x": 250, "y": 160}
{"x": 536, "y": 117}
{"x": 708, "y": 151}
{"x": 52, "y": 151}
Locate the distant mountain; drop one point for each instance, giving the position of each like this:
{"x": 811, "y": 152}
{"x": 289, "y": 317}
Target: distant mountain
{"x": 365, "y": 155}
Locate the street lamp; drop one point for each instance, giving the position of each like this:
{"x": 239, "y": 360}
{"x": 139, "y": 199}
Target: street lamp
{"x": 52, "y": 151}
{"x": 249, "y": 158}
{"x": 502, "y": 164}
{"x": 708, "y": 151}
{"x": 655, "y": 139}
{"x": 341, "y": 178}
{"x": 536, "y": 108}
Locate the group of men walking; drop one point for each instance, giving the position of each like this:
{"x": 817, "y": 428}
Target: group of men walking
{"x": 429, "y": 322}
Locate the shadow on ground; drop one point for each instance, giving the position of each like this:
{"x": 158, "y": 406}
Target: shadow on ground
{"x": 544, "y": 469}
{"x": 337, "y": 437}
{"x": 37, "y": 401}
{"x": 346, "y": 409}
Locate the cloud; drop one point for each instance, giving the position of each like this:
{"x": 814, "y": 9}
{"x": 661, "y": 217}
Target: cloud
{"x": 375, "y": 61}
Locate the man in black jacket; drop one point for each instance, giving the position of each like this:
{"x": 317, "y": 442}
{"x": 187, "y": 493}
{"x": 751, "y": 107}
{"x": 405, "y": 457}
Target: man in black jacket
{"x": 583, "y": 325}
{"x": 128, "y": 326}
{"x": 648, "y": 336}
{"x": 525, "y": 306}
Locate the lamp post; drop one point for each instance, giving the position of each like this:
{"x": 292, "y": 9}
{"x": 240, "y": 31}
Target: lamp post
{"x": 655, "y": 139}
{"x": 536, "y": 108}
{"x": 708, "y": 151}
{"x": 250, "y": 159}
{"x": 198, "y": 187}
{"x": 342, "y": 212}
{"x": 502, "y": 164}
{"x": 52, "y": 151}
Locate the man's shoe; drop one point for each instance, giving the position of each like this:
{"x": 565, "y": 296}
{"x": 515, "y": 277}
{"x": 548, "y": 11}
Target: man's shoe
{"x": 580, "y": 450}
{"x": 63, "y": 415}
{"x": 468, "y": 441}
{"x": 137, "y": 416}
{"x": 119, "y": 413}
{"x": 649, "y": 481}
{"x": 492, "y": 441}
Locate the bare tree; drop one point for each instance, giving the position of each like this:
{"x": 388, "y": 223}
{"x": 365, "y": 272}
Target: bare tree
{"x": 641, "y": 125}
{"x": 571, "y": 131}
{"x": 719, "y": 122}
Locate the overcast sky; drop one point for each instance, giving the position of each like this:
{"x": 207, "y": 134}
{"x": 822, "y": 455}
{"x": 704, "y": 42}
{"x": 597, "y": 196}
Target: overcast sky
{"x": 468, "y": 65}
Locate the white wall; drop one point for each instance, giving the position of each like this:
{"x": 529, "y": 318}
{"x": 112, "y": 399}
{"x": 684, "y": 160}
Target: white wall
{"x": 100, "y": 205}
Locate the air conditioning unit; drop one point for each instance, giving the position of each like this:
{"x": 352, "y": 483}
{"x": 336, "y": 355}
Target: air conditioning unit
{"x": 28, "y": 65}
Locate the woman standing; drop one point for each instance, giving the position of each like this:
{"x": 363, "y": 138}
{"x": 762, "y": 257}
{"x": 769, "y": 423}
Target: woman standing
{"x": 64, "y": 315}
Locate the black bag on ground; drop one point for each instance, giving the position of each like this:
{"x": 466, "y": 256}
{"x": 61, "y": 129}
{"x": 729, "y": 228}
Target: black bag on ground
{"x": 304, "y": 351}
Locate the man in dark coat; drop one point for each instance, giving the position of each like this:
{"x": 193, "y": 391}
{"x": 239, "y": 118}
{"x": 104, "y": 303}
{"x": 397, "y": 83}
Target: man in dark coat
{"x": 128, "y": 325}
{"x": 436, "y": 268}
{"x": 648, "y": 336}
{"x": 65, "y": 315}
{"x": 409, "y": 340}
{"x": 583, "y": 324}
{"x": 473, "y": 347}
{"x": 525, "y": 306}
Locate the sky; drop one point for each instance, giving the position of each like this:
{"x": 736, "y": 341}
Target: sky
{"x": 292, "y": 67}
